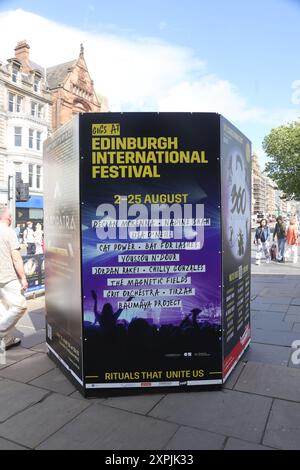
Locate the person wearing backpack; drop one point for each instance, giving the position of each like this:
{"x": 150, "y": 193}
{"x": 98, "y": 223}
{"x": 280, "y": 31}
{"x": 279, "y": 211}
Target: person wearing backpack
{"x": 262, "y": 241}
{"x": 292, "y": 239}
{"x": 280, "y": 233}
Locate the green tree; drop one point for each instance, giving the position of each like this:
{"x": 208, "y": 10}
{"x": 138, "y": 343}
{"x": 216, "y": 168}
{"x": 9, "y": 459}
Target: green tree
{"x": 282, "y": 146}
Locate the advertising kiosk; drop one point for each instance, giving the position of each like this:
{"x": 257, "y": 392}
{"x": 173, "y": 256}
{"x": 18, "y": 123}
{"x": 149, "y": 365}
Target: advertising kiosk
{"x": 147, "y": 247}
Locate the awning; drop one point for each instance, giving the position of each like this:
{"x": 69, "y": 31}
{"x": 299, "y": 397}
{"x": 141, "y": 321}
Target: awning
{"x": 35, "y": 202}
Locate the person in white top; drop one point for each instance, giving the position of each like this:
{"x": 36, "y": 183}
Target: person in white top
{"x": 38, "y": 237}
{"x": 13, "y": 282}
{"x": 28, "y": 238}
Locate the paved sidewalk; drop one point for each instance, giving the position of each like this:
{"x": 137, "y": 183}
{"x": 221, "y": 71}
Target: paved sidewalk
{"x": 259, "y": 407}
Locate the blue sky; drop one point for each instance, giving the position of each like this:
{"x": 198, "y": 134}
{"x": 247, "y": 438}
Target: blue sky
{"x": 236, "y": 57}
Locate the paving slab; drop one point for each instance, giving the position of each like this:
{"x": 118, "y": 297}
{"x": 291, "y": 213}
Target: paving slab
{"x": 42, "y": 348}
{"x": 29, "y": 337}
{"x": 15, "y": 397}
{"x": 101, "y": 427}
{"x": 295, "y": 301}
{"x": 276, "y": 316}
{"x": 15, "y": 355}
{"x": 36, "y": 304}
{"x": 192, "y": 439}
{"x": 139, "y": 404}
{"x": 278, "y": 308}
{"x": 268, "y": 308}
{"x": 55, "y": 381}
{"x": 77, "y": 395}
{"x": 40, "y": 421}
{"x": 269, "y": 380}
{"x": 294, "y": 310}
{"x": 283, "y": 429}
{"x": 279, "y": 290}
{"x": 7, "y": 445}
{"x": 28, "y": 369}
{"x": 34, "y": 320}
{"x": 238, "y": 444}
{"x": 232, "y": 379}
{"x": 270, "y": 322}
{"x": 277, "y": 338}
{"x": 296, "y": 328}
{"x": 277, "y": 355}
{"x": 292, "y": 319}
{"x": 272, "y": 300}
{"x": 227, "y": 412}
{"x": 260, "y": 306}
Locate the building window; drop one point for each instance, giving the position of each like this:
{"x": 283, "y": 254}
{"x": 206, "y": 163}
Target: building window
{"x": 38, "y": 176}
{"x": 38, "y": 140}
{"x": 11, "y": 102}
{"x": 36, "y": 84}
{"x": 18, "y": 136}
{"x": 14, "y": 103}
{"x": 30, "y": 138}
{"x": 30, "y": 175}
{"x": 33, "y": 109}
{"x": 40, "y": 111}
{"x": 19, "y": 104}
{"x": 14, "y": 74}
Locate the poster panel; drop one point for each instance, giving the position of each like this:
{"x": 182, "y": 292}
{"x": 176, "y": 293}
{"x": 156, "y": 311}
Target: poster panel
{"x": 151, "y": 249}
{"x": 62, "y": 248}
{"x": 236, "y": 225}
{"x": 34, "y": 266}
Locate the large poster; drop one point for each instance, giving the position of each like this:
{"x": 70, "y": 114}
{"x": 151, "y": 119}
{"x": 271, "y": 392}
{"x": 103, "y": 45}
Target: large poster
{"x": 151, "y": 249}
{"x": 236, "y": 217}
{"x": 62, "y": 248}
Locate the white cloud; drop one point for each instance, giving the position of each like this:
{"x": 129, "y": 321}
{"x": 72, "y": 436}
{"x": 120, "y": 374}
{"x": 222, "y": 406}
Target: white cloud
{"x": 135, "y": 74}
{"x": 210, "y": 94}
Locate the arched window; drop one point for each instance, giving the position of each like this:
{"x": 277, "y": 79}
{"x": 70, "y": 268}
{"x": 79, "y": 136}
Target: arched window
{"x": 80, "y": 106}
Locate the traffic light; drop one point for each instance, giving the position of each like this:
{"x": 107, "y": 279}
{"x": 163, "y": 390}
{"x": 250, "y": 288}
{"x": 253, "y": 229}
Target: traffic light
{"x": 22, "y": 189}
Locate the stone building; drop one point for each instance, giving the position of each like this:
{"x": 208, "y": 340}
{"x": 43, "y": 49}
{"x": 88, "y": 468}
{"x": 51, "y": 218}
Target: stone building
{"x": 72, "y": 90}
{"x": 25, "y": 121}
{"x": 33, "y": 103}
{"x": 258, "y": 188}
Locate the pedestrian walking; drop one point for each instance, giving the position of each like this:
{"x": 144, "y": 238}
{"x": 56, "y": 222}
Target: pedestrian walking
{"x": 280, "y": 233}
{"x": 28, "y": 239}
{"x": 13, "y": 281}
{"x": 22, "y": 230}
{"x": 262, "y": 241}
{"x": 38, "y": 238}
{"x": 18, "y": 231}
{"x": 292, "y": 241}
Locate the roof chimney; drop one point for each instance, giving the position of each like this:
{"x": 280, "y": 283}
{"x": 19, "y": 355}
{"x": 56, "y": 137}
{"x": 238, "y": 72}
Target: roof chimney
{"x": 22, "y": 53}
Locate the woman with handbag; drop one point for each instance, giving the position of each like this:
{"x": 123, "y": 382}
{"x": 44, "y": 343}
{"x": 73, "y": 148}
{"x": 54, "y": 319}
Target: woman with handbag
{"x": 292, "y": 241}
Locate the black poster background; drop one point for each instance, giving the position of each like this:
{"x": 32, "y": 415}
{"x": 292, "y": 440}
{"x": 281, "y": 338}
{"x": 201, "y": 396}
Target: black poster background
{"x": 104, "y": 352}
{"x": 236, "y": 234}
{"x": 62, "y": 246}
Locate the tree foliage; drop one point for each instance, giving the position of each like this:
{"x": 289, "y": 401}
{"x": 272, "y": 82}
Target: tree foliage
{"x": 282, "y": 146}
